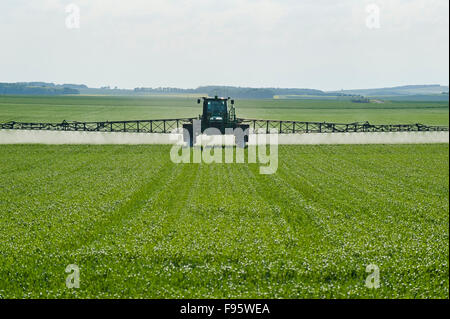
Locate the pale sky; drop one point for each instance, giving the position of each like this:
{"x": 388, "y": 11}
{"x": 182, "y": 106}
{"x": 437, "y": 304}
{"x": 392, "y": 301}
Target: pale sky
{"x": 320, "y": 44}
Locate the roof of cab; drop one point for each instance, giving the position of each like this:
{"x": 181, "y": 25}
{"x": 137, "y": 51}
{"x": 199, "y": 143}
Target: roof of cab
{"x": 216, "y": 98}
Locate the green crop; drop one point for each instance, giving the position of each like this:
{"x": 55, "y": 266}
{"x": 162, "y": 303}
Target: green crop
{"x": 113, "y": 108}
{"x": 140, "y": 226}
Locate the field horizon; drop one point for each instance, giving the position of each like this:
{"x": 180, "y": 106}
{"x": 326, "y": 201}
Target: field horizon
{"x": 111, "y": 108}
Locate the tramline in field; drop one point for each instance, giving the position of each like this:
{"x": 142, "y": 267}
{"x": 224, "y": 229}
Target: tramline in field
{"x": 217, "y": 113}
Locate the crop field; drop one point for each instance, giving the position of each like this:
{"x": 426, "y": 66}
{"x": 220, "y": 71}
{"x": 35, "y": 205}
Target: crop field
{"x": 140, "y": 226}
{"x": 102, "y": 108}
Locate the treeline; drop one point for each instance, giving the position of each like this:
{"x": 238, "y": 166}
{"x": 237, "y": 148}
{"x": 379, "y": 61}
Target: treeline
{"x": 235, "y": 92}
{"x": 39, "y": 88}
{"x": 43, "y": 88}
{"x": 360, "y": 99}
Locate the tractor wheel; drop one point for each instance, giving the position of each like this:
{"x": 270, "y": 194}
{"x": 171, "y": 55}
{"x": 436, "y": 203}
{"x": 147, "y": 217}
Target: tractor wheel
{"x": 241, "y": 142}
{"x": 188, "y": 137}
{"x": 246, "y": 127}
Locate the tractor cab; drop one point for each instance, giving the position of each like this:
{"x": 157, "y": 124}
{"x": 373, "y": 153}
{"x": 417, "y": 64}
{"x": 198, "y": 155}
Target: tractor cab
{"x": 215, "y": 110}
{"x": 216, "y": 114}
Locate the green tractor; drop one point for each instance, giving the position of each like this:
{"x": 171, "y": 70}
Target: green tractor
{"x": 216, "y": 114}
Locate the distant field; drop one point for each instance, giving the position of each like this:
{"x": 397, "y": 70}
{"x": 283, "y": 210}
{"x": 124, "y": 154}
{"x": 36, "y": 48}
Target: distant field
{"x": 101, "y": 108}
{"x": 138, "y": 225}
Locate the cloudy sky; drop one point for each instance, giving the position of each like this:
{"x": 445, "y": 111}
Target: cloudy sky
{"x": 322, "y": 44}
